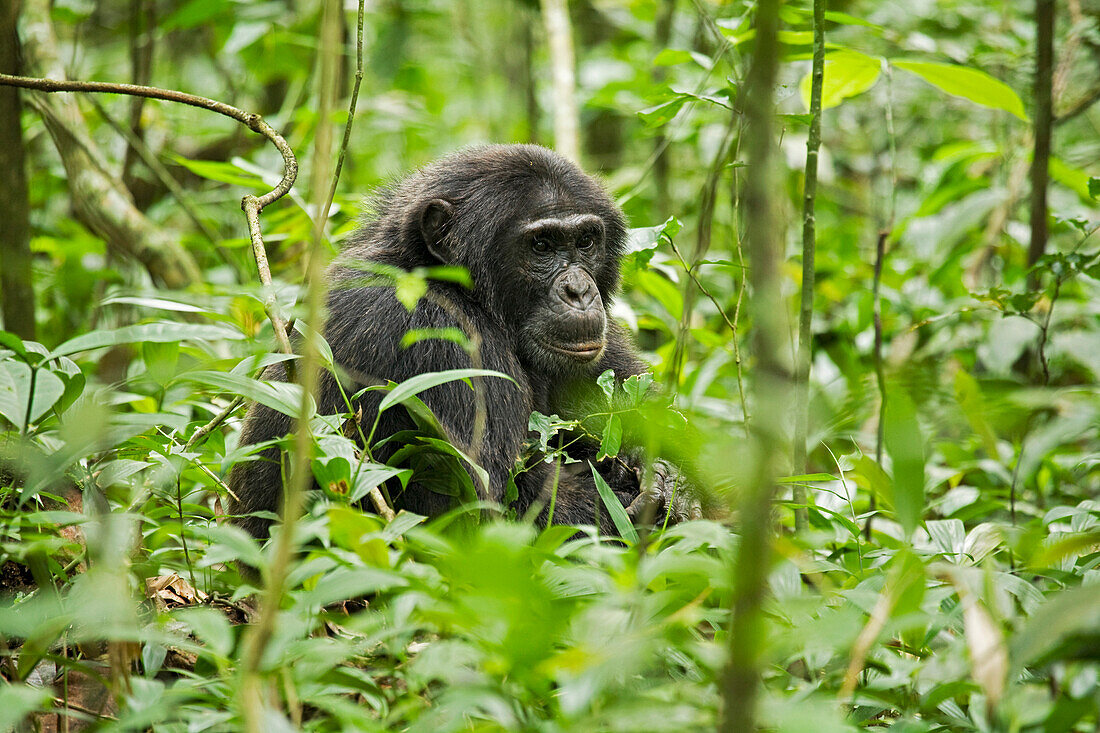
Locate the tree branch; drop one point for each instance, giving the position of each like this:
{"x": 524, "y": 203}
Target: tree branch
{"x": 106, "y": 206}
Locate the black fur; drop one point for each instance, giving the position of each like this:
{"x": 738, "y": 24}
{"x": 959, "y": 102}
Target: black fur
{"x": 542, "y": 242}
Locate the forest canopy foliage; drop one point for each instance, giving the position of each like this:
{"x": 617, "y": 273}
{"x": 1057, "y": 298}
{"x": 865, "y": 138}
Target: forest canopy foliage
{"x": 870, "y": 304}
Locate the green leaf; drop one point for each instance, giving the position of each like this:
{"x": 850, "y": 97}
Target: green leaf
{"x": 554, "y": 536}
{"x": 16, "y": 390}
{"x": 906, "y": 579}
{"x": 615, "y": 508}
{"x": 663, "y": 113}
{"x": 228, "y": 543}
{"x": 221, "y": 172}
{"x": 612, "y": 438}
{"x": 806, "y": 478}
{"x": 636, "y": 388}
{"x": 796, "y": 38}
{"x": 547, "y": 426}
{"x": 672, "y": 57}
{"x": 606, "y": 381}
{"x": 334, "y": 477}
{"x": 663, "y": 290}
{"x": 9, "y": 340}
{"x": 13, "y": 401}
{"x": 209, "y": 626}
{"x": 1063, "y": 627}
{"x": 282, "y": 397}
{"x": 482, "y": 475}
{"x": 845, "y": 19}
{"x": 402, "y": 523}
{"x": 671, "y": 227}
{"x": 421, "y": 382}
{"x": 1094, "y": 187}
{"x": 344, "y": 583}
{"x": 371, "y": 475}
{"x": 160, "y": 359}
{"x": 155, "y": 332}
{"x": 962, "y": 81}
{"x": 417, "y": 335}
{"x": 905, "y": 446}
{"x": 438, "y": 465}
{"x": 1071, "y": 177}
{"x": 409, "y": 288}
{"x": 156, "y": 303}
{"x": 322, "y": 346}
{"x": 17, "y": 701}
{"x": 422, "y": 415}
{"x": 847, "y": 74}
{"x": 447, "y": 273}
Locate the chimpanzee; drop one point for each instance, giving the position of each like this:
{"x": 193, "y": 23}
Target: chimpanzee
{"x": 542, "y": 243}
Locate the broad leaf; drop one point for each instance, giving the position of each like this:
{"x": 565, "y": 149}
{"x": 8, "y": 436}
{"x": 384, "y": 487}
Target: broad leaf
{"x": 421, "y": 382}
{"x": 283, "y": 397}
{"x": 847, "y": 74}
{"x": 145, "y": 332}
{"x": 962, "y": 81}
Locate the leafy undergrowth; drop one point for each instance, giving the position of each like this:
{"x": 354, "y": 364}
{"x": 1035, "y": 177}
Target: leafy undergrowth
{"x": 125, "y": 603}
{"x": 946, "y": 578}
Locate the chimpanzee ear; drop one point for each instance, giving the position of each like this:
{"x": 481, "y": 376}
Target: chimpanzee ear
{"x": 434, "y": 220}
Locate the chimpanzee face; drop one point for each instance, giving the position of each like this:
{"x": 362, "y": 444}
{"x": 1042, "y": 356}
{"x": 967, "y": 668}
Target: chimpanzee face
{"x": 543, "y": 245}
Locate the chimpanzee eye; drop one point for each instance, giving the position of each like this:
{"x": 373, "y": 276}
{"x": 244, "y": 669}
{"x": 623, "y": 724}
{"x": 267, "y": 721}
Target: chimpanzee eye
{"x": 586, "y": 242}
{"x": 540, "y": 245}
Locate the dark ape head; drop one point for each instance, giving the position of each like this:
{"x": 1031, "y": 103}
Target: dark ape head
{"x": 541, "y": 240}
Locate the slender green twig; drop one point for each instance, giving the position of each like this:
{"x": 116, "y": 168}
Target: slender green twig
{"x": 254, "y": 706}
{"x": 809, "y": 247}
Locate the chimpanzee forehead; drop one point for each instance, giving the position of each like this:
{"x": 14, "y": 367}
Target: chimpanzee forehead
{"x": 558, "y": 197}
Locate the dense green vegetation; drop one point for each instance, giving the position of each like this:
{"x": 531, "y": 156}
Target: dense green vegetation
{"x": 932, "y": 559}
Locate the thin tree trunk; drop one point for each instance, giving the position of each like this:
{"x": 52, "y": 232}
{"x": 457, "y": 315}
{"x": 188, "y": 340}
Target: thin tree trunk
{"x": 772, "y": 385}
{"x": 559, "y": 35}
{"x": 1040, "y": 161}
{"x": 809, "y": 248}
{"x": 16, "y": 283}
{"x": 530, "y": 96}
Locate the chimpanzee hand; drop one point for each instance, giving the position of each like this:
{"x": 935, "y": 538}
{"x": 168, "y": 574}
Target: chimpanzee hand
{"x": 664, "y": 492}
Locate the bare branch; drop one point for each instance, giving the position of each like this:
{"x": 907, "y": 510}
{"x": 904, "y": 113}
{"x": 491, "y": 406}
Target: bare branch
{"x": 254, "y": 121}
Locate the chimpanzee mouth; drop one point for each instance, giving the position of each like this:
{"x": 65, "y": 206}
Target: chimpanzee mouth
{"x": 582, "y": 350}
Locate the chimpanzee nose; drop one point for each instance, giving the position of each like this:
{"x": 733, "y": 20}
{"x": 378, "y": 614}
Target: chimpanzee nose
{"x": 577, "y": 290}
